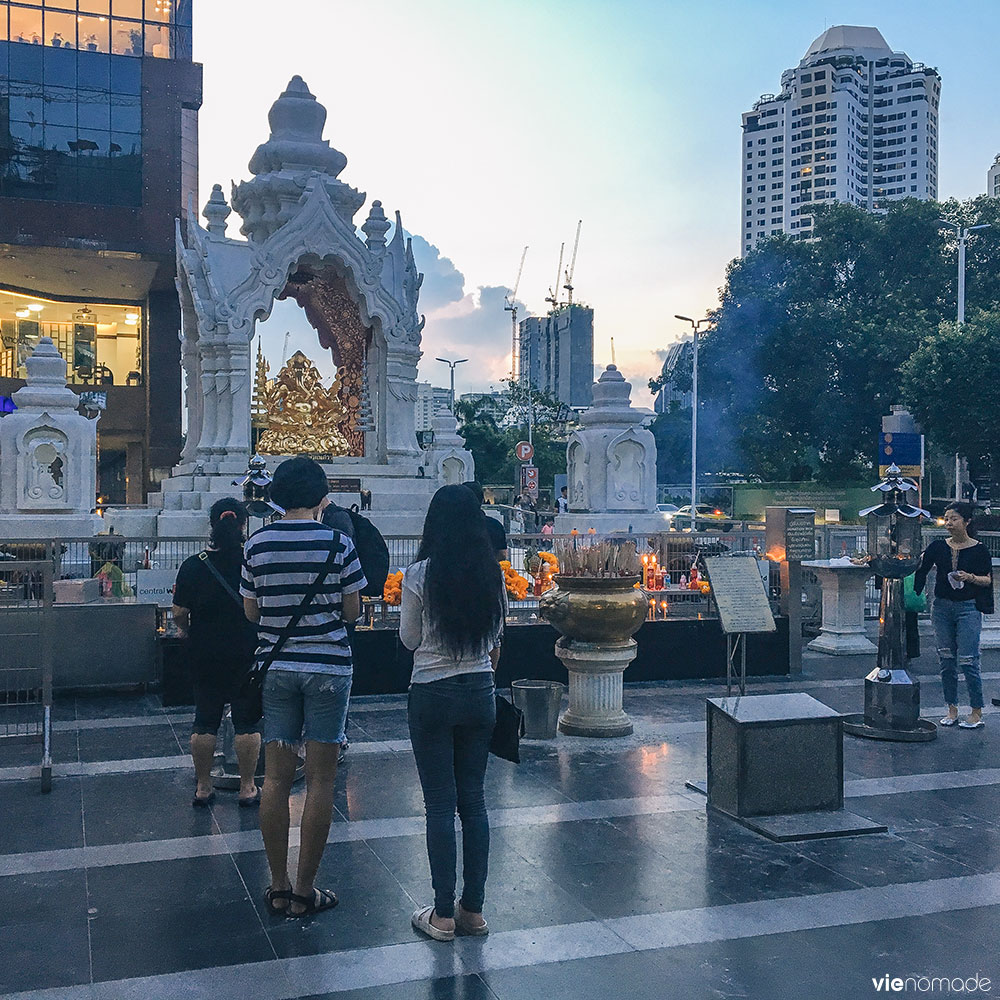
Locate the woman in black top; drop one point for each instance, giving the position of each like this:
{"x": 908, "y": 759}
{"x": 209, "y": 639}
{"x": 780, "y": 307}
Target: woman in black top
{"x": 222, "y": 644}
{"x": 963, "y": 593}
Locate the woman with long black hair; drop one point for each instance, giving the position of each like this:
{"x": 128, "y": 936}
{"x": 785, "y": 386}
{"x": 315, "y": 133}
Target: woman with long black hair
{"x": 452, "y": 616}
{"x": 221, "y": 644}
{"x": 963, "y": 593}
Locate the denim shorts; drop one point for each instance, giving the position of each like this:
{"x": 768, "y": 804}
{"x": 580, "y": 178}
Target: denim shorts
{"x": 301, "y": 706}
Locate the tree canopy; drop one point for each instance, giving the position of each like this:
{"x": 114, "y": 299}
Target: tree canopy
{"x": 810, "y": 344}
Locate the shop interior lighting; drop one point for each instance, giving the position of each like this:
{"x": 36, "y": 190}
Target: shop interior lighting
{"x": 132, "y": 315}
{"x": 23, "y": 313}
{"x": 35, "y": 307}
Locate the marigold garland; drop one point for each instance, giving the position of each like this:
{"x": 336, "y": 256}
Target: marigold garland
{"x": 517, "y": 586}
{"x": 392, "y": 592}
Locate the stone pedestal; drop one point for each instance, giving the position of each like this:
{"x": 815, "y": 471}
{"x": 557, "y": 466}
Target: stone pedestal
{"x": 595, "y": 687}
{"x": 990, "y": 636}
{"x": 48, "y": 456}
{"x": 843, "y": 629}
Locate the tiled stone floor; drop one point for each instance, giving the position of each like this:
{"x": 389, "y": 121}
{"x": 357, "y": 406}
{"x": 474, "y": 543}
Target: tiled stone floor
{"x": 607, "y": 877}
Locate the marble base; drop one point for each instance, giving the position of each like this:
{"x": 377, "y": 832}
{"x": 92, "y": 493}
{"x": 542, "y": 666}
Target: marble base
{"x": 31, "y": 526}
{"x": 843, "y": 630}
{"x": 595, "y": 688}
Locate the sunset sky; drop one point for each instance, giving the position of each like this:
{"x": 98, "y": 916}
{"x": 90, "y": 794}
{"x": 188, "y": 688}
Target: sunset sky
{"x": 492, "y": 125}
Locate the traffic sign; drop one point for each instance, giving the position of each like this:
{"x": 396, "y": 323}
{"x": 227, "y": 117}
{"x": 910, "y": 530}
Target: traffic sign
{"x": 524, "y": 450}
{"x": 529, "y": 481}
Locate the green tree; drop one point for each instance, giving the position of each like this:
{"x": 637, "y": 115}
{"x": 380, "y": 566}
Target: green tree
{"x": 804, "y": 353}
{"x": 952, "y": 386}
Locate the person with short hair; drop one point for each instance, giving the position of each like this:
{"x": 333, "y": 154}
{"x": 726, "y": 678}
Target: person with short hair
{"x": 452, "y": 617}
{"x": 963, "y": 593}
{"x": 494, "y": 529}
{"x": 308, "y": 685}
{"x": 562, "y": 502}
{"x": 221, "y": 644}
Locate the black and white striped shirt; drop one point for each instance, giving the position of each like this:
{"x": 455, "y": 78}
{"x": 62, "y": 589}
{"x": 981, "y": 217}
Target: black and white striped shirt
{"x": 280, "y": 562}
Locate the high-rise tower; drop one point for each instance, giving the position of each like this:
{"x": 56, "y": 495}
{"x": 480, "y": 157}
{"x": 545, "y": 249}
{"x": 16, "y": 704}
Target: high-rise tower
{"x": 854, "y": 122}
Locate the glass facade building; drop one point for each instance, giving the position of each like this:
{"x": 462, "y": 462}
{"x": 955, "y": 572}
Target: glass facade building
{"x": 70, "y": 94}
{"x": 99, "y": 108}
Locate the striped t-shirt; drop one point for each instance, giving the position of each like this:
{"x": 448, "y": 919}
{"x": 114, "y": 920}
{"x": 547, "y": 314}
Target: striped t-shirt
{"x": 281, "y": 561}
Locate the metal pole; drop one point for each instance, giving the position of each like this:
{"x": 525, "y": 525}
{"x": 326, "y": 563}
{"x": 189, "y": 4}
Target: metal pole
{"x": 961, "y": 276}
{"x": 452, "y": 388}
{"x": 694, "y": 431}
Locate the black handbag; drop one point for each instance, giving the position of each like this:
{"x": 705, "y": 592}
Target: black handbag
{"x": 507, "y": 731}
{"x": 253, "y": 684}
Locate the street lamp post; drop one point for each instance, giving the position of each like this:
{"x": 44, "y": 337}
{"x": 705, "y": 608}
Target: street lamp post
{"x": 451, "y": 365}
{"x": 696, "y": 326}
{"x": 963, "y": 236}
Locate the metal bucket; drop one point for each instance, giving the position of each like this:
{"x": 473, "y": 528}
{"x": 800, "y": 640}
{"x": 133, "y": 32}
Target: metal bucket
{"x": 540, "y": 702}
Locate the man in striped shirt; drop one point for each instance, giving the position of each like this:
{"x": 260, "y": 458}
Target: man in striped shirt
{"x": 308, "y": 684}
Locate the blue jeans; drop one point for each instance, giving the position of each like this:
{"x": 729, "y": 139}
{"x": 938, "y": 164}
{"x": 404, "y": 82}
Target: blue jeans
{"x": 957, "y": 625}
{"x": 451, "y": 723}
{"x": 301, "y": 707}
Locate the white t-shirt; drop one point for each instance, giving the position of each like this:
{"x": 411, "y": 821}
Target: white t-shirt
{"x": 431, "y": 660}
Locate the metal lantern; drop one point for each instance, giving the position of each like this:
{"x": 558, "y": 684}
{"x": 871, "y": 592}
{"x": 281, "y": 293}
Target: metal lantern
{"x": 894, "y": 538}
{"x": 892, "y": 696}
{"x": 257, "y": 489}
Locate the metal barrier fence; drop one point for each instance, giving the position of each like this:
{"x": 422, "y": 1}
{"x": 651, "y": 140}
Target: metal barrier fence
{"x": 26, "y": 656}
{"x": 116, "y": 559}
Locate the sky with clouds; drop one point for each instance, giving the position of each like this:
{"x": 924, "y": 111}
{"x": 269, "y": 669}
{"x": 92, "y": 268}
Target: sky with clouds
{"x": 495, "y": 125}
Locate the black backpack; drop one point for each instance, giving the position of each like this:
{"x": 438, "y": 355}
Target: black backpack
{"x": 373, "y": 553}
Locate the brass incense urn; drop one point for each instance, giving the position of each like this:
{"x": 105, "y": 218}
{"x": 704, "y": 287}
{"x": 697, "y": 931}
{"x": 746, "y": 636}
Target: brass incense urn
{"x": 594, "y": 609}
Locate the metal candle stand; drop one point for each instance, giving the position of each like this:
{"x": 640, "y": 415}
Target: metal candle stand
{"x": 892, "y": 696}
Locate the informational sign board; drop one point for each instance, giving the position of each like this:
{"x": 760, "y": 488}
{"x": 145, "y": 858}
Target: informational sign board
{"x": 525, "y": 451}
{"x": 155, "y": 586}
{"x": 343, "y": 485}
{"x": 740, "y": 594}
{"x": 903, "y": 449}
{"x": 790, "y": 533}
{"x": 529, "y": 481}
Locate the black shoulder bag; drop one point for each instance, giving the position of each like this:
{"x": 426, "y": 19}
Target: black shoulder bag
{"x": 508, "y": 729}
{"x": 220, "y": 579}
{"x": 253, "y": 683}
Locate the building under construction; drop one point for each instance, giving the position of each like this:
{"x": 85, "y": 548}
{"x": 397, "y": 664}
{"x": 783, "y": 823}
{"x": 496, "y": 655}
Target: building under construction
{"x": 557, "y": 353}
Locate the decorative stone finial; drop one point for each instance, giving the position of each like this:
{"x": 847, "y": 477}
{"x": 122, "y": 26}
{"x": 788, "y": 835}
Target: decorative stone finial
{"x": 216, "y": 211}
{"x": 375, "y": 228}
{"x": 46, "y": 366}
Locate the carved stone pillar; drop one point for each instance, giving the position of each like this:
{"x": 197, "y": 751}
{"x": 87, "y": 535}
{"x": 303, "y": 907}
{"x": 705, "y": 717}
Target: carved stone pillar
{"x": 400, "y": 404}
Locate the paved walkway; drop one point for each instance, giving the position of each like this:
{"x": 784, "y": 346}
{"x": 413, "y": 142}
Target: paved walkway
{"x": 607, "y": 877}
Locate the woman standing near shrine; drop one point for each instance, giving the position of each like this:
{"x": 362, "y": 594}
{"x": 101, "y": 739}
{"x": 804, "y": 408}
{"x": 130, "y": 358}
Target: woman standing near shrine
{"x": 221, "y": 643}
{"x": 452, "y": 617}
{"x": 963, "y": 593}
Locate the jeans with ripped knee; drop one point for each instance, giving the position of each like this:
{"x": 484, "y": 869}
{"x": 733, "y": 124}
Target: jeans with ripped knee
{"x": 957, "y": 625}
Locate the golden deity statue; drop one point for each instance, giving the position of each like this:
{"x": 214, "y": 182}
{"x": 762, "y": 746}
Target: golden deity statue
{"x": 300, "y": 415}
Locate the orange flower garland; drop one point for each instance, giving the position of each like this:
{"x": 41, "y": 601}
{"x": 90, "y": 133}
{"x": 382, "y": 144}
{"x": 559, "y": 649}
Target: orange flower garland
{"x": 392, "y": 593}
{"x": 517, "y": 586}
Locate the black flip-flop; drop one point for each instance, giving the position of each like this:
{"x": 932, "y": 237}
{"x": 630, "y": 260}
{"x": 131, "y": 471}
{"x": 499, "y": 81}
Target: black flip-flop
{"x": 327, "y": 901}
{"x": 249, "y": 803}
{"x": 203, "y": 803}
{"x": 270, "y": 895}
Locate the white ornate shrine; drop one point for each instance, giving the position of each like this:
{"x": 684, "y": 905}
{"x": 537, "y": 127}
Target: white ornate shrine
{"x": 611, "y": 464}
{"x": 359, "y": 294}
{"x": 48, "y": 456}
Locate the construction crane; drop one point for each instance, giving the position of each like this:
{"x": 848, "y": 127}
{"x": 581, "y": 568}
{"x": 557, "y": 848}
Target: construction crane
{"x": 553, "y": 295}
{"x": 510, "y": 305}
{"x": 572, "y": 266}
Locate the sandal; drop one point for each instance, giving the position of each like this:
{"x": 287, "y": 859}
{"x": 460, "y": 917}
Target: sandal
{"x": 421, "y": 920}
{"x": 253, "y": 800}
{"x": 270, "y": 895}
{"x": 469, "y": 930}
{"x": 948, "y": 721}
{"x": 200, "y": 802}
{"x": 321, "y": 899}
{"x": 978, "y": 724}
